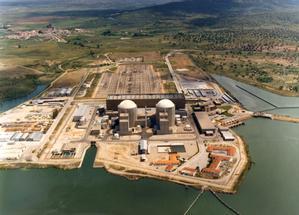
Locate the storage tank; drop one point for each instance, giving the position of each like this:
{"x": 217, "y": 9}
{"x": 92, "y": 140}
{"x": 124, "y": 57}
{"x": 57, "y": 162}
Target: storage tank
{"x": 129, "y": 107}
{"x": 165, "y": 105}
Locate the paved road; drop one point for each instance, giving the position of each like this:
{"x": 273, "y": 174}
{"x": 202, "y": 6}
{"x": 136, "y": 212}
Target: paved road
{"x": 174, "y": 77}
{"x": 177, "y": 81}
{"x": 46, "y": 137}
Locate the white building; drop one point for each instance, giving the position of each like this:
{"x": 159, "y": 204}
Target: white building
{"x": 80, "y": 112}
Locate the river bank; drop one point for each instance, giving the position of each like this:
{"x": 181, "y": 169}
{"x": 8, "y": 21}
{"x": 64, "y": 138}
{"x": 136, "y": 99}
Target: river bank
{"x": 65, "y": 165}
{"x": 262, "y": 86}
{"x": 9, "y": 104}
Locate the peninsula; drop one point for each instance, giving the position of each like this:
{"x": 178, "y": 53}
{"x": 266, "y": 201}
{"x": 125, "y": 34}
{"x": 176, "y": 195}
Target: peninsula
{"x": 139, "y": 129}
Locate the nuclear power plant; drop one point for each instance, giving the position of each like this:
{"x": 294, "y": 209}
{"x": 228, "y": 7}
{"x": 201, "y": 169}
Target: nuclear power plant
{"x": 160, "y": 116}
{"x": 131, "y": 119}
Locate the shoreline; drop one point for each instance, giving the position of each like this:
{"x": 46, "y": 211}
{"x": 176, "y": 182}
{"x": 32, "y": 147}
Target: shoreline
{"x": 69, "y": 165}
{"x": 260, "y": 86}
{"x": 64, "y": 164}
{"x": 22, "y": 99}
{"x": 133, "y": 172}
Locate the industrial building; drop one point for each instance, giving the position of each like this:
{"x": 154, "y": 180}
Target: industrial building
{"x": 11, "y": 151}
{"x": 165, "y": 116}
{"x": 205, "y": 104}
{"x": 143, "y": 147}
{"x": 204, "y": 123}
{"x": 80, "y": 112}
{"x": 127, "y": 111}
{"x": 6, "y": 136}
{"x": 60, "y": 92}
{"x": 168, "y": 107}
{"x": 223, "y": 150}
{"x": 173, "y": 160}
{"x": 129, "y": 107}
{"x": 20, "y": 136}
{"x": 11, "y": 154}
{"x": 145, "y": 100}
{"x": 131, "y": 118}
{"x": 35, "y": 136}
{"x": 226, "y": 135}
{"x": 17, "y": 136}
{"x": 220, "y": 156}
{"x": 163, "y": 124}
{"x": 188, "y": 171}
{"x": 214, "y": 169}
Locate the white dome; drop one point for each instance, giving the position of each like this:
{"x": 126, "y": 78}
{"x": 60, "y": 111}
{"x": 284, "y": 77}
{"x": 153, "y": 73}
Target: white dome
{"x": 127, "y": 104}
{"x": 165, "y": 103}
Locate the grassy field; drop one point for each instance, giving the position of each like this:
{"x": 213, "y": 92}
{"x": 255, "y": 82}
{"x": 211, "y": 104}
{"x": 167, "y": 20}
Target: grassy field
{"x": 96, "y": 78}
{"x": 17, "y": 81}
{"x": 147, "y": 57}
{"x": 257, "y": 46}
{"x": 47, "y": 58}
{"x": 69, "y": 79}
{"x": 169, "y": 87}
{"x": 273, "y": 73}
{"x": 184, "y": 65}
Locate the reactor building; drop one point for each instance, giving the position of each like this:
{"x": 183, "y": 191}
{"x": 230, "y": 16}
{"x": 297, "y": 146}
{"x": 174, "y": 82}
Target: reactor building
{"x": 165, "y": 116}
{"x": 131, "y": 118}
{"x": 127, "y": 111}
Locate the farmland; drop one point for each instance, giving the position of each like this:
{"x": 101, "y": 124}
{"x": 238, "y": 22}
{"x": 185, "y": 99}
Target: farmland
{"x": 256, "y": 46}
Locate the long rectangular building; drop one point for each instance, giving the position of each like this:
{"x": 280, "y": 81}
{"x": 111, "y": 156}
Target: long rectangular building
{"x": 204, "y": 123}
{"x": 145, "y": 100}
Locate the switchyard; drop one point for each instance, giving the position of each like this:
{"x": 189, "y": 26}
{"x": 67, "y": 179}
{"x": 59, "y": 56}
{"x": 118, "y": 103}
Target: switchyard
{"x": 130, "y": 78}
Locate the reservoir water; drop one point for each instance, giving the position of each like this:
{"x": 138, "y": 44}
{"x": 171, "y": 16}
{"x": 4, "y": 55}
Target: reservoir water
{"x": 270, "y": 186}
{"x": 8, "y": 104}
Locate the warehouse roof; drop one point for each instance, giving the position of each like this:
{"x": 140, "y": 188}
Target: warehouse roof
{"x": 228, "y": 150}
{"x": 145, "y": 96}
{"x": 227, "y": 135}
{"x": 81, "y": 110}
{"x": 6, "y": 136}
{"x": 204, "y": 121}
{"x": 35, "y": 136}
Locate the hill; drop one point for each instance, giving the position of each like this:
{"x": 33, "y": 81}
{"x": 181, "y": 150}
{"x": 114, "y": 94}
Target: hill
{"x": 55, "y": 5}
{"x": 220, "y": 6}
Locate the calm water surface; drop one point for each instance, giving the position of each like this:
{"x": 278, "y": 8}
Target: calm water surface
{"x": 6, "y": 105}
{"x": 270, "y": 187}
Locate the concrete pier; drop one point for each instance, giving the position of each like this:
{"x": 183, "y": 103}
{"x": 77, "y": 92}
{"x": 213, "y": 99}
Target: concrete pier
{"x": 224, "y": 203}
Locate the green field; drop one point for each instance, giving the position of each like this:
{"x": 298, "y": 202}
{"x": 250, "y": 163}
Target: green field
{"x": 256, "y": 45}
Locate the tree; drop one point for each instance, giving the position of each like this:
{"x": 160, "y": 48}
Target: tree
{"x": 91, "y": 53}
{"x": 107, "y": 33}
